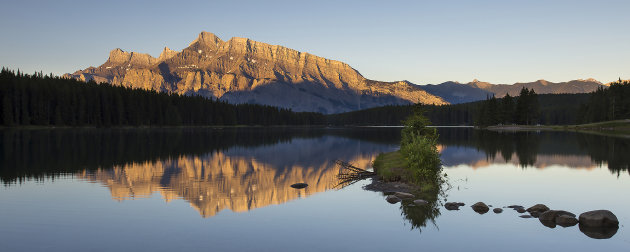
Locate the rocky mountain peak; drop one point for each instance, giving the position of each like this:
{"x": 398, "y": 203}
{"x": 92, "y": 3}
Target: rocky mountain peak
{"x": 208, "y": 39}
{"x": 119, "y": 57}
{"x": 167, "y": 53}
{"x": 241, "y": 70}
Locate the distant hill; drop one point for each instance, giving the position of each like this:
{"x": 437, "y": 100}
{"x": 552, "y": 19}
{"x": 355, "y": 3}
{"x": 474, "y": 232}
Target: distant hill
{"x": 241, "y": 70}
{"x": 455, "y": 93}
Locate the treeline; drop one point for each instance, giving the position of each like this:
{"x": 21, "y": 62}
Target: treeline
{"x": 39, "y": 99}
{"x": 548, "y": 109}
{"x": 445, "y": 115}
{"x": 607, "y": 104}
{"x": 522, "y": 109}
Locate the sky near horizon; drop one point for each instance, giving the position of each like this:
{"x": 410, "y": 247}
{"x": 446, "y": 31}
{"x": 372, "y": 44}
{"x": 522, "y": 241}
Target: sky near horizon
{"x": 425, "y": 42}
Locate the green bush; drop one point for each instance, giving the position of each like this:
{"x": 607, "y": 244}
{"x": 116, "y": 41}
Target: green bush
{"x": 418, "y": 146}
{"x": 422, "y": 158}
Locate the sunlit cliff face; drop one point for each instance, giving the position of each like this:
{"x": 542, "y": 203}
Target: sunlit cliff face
{"x": 217, "y": 181}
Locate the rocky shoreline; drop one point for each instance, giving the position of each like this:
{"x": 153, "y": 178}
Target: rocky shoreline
{"x": 596, "y": 224}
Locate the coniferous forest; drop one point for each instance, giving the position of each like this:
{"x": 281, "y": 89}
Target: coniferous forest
{"x": 46, "y": 100}
{"x": 546, "y": 109}
{"x": 607, "y": 104}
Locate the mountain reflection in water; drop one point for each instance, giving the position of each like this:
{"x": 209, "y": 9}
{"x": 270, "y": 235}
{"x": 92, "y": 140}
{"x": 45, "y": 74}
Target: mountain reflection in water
{"x": 244, "y": 169}
{"x": 213, "y": 170}
{"x": 220, "y": 180}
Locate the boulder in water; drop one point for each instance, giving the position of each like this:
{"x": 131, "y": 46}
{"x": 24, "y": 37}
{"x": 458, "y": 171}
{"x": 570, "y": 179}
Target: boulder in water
{"x": 403, "y": 195}
{"x": 451, "y": 206}
{"x": 599, "y": 218}
{"x": 548, "y": 218}
{"x": 392, "y": 199}
{"x": 600, "y": 232}
{"x": 551, "y": 215}
{"x": 299, "y": 185}
{"x": 535, "y": 214}
{"x": 480, "y": 207}
{"x": 566, "y": 221}
{"x": 541, "y": 208}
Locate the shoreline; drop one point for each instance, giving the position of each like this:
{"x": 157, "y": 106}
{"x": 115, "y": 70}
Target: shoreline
{"x": 618, "y": 128}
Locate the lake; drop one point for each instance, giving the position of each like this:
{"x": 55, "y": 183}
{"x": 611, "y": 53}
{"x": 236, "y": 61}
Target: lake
{"x": 229, "y": 190}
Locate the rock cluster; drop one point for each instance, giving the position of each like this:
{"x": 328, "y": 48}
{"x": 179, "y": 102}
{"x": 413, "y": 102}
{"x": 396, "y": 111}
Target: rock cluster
{"x": 598, "y": 224}
{"x": 396, "y": 197}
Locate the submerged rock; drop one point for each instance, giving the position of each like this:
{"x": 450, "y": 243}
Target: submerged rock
{"x": 551, "y": 215}
{"x": 299, "y": 185}
{"x": 420, "y": 202}
{"x": 497, "y": 210}
{"x": 403, "y": 195}
{"x": 566, "y": 221}
{"x": 600, "y": 232}
{"x": 480, "y": 207}
{"x": 549, "y": 224}
{"x": 451, "y": 206}
{"x": 525, "y": 216}
{"x": 548, "y": 218}
{"x": 520, "y": 209}
{"x": 392, "y": 199}
{"x": 514, "y": 206}
{"x": 541, "y": 208}
{"x": 599, "y": 218}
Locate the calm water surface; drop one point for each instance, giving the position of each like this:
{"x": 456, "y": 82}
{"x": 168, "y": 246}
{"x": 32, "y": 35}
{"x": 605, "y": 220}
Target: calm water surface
{"x": 229, "y": 190}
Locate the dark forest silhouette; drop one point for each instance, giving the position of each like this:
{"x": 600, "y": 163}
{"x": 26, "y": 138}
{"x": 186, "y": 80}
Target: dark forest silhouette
{"x": 39, "y": 99}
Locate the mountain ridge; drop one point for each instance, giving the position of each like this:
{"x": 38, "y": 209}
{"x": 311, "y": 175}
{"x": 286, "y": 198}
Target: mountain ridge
{"x": 455, "y": 92}
{"x": 241, "y": 70}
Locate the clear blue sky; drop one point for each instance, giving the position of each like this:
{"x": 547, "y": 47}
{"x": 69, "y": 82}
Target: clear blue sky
{"x": 420, "y": 41}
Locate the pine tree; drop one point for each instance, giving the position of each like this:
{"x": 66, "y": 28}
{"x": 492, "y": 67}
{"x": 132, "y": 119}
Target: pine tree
{"x": 507, "y": 109}
{"x": 521, "y": 114}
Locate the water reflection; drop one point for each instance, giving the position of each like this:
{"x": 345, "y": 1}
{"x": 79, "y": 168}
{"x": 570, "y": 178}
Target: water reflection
{"x": 216, "y": 170}
{"x": 420, "y": 216}
{"x": 216, "y": 181}
{"x": 479, "y": 148}
{"x": 237, "y": 169}
{"x": 38, "y": 154}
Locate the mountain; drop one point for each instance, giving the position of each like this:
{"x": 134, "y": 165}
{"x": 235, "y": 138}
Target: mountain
{"x": 541, "y": 87}
{"x": 241, "y": 70}
{"x": 455, "y": 93}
